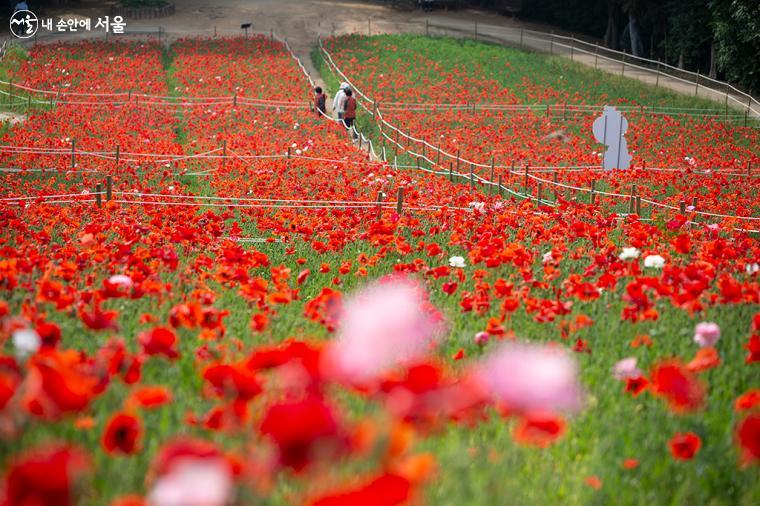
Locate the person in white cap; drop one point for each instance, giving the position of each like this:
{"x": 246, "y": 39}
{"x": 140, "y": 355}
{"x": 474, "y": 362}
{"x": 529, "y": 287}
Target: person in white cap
{"x": 338, "y": 102}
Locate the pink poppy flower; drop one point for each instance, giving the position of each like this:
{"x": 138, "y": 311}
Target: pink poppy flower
{"x": 532, "y": 377}
{"x": 706, "y": 334}
{"x": 385, "y": 324}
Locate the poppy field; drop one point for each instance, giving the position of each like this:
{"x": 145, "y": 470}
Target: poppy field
{"x": 209, "y": 295}
{"x": 470, "y": 98}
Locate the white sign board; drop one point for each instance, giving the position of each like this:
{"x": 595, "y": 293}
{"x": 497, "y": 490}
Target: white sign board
{"x": 609, "y": 129}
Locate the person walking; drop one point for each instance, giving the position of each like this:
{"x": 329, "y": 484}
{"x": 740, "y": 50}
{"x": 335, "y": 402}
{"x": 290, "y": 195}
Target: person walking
{"x": 319, "y": 101}
{"x": 338, "y": 105}
{"x": 349, "y": 111}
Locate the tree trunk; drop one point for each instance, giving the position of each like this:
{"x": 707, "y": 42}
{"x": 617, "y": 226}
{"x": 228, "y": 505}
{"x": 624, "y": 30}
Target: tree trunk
{"x": 637, "y": 46}
{"x": 713, "y": 61}
{"x": 680, "y": 60}
{"x": 611, "y": 34}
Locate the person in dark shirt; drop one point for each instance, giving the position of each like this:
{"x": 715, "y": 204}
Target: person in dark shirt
{"x": 319, "y": 101}
{"x": 349, "y": 113}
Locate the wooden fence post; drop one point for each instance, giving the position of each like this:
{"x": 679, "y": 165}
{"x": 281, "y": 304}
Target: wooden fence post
{"x": 73, "y": 153}
{"x": 400, "y": 201}
{"x": 633, "y": 199}
{"x": 98, "y": 190}
{"x": 451, "y": 173}
{"x": 109, "y": 187}
{"x": 493, "y": 163}
{"x": 118, "y": 149}
{"x": 500, "y": 187}
{"x": 593, "y": 191}
{"x": 556, "y": 187}
{"x": 525, "y": 186}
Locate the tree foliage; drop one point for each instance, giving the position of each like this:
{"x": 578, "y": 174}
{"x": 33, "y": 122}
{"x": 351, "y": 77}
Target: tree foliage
{"x": 679, "y": 32}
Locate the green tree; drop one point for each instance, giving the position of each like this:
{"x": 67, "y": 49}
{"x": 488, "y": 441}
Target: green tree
{"x": 736, "y": 27}
{"x": 688, "y": 33}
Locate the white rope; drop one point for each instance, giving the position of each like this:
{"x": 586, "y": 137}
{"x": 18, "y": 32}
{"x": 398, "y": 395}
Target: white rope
{"x": 57, "y": 196}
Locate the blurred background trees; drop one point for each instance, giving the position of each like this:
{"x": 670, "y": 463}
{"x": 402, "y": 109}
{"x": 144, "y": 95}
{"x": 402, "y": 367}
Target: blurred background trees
{"x": 719, "y": 38}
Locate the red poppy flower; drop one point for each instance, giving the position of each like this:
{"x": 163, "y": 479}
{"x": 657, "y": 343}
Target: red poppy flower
{"x": 180, "y": 449}
{"x": 630, "y": 463}
{"x": 122, "y": 434}
{"x": 706, "y": 358}
{"x": 129, "y": 500}
{"x": 678, "y": 386}
{"x": 259, "y": 322}
{"x": 747, "y": 400}
{"x": 636, "y": 385}
{"x": 685, "y": 446}
{"x": 8, "y": 384}
{"x": 97, "y": 319}
{"x": 302, "y": 276}
{"x": 50, "y": 334}
{"x": 299, "y": 428}
{"x": 748, "y": 438}
{"x": 594, "y": 482}
{"x": 59, "y": 383}
{"x": 540, "y": 430}
{"x": 233, "y": 380}
{"x": 753, "y": 346}
{"x": 449, "y": 287}
{"x": 148, "y": 397}
{"x": 44, "y": 477}
{"x": 159, "y": 341}
{"x": 385, "y": 490}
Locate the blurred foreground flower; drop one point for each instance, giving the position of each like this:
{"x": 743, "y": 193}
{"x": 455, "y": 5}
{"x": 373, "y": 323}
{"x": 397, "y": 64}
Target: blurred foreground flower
{"x": 532, "y": 378}
{"x": 193, "y": 482}
{"x": 383, "y": 325}
{"x": 190, "y": 472}
{"x": 44, "y": 477}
